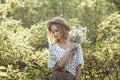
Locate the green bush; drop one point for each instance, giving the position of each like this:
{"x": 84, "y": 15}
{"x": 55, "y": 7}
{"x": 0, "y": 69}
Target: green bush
{"x": 102, "y": 54}
{"x": 18, "y": 54}
{"x": 23, "y": 37}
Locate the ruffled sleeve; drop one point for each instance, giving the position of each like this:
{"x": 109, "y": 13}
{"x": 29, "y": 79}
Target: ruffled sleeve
{"x": 54, "y": 55}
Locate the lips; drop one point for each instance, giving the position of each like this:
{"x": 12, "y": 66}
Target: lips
{"x": 56, "y": 37}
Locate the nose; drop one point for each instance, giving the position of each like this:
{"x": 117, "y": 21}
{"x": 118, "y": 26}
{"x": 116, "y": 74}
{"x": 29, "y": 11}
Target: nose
{"x": 55, "y": 33}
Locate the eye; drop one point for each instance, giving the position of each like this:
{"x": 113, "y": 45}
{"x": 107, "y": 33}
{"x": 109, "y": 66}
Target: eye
{"x": 56, "y": 30}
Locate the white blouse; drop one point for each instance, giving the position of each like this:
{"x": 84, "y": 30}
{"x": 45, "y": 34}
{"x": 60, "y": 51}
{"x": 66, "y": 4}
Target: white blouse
{"x": 56, "y": 53}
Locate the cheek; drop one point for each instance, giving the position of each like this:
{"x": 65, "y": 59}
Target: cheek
{"x": 59, "y": 34}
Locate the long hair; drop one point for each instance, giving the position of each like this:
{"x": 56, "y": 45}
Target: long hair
{"x": 63, "y": 32}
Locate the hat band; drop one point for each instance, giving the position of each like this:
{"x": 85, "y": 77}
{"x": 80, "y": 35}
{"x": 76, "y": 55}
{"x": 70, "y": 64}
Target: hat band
{"x": 59, "y": 21}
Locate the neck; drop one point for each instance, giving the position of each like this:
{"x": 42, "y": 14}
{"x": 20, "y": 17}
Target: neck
{"x": 62, "y": 41}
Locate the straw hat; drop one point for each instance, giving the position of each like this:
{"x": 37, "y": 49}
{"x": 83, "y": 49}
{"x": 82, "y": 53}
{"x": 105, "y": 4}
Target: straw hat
{"x": 59, "y": 20}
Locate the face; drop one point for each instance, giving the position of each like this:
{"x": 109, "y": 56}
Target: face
{"x": 55, "y": 32}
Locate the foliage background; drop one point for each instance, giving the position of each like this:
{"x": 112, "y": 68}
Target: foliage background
{"x": 23, "y": 37}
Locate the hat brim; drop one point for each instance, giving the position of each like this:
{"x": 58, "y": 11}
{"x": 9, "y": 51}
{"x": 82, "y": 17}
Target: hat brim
{"x": 55, "y": 22}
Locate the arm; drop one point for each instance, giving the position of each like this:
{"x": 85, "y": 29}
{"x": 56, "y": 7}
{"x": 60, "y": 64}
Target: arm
{"x": 67, "y": 55}
{"x": 78, "y": 72}
{"x": 64, "y": 59}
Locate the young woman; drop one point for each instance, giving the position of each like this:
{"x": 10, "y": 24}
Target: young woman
{"x": 65, "y": 57}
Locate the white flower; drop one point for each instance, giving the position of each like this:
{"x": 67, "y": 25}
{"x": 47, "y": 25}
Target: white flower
{"x": 78, "y": 35}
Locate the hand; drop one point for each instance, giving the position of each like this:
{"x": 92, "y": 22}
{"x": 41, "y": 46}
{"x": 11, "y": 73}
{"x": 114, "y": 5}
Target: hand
{"x": 73, "y": 45}
{"x": 64, "y": 69}
{"x": 73, "y": 48}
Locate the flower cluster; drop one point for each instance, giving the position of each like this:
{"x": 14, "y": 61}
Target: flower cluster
{"x": 78, "y": 35}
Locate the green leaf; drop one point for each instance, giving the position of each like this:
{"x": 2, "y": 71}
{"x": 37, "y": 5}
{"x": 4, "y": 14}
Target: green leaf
{"x": 3, "y": 74}
{"x": 99, "y": 36}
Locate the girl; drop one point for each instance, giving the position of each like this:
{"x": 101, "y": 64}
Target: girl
{"x": 65, "y": 57}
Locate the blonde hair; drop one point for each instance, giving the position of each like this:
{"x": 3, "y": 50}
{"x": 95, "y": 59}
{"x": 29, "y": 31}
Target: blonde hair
{"x": 63, "y": 32}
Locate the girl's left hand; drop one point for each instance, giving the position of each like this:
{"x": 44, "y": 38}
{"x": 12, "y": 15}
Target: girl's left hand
{"x": 64, "y": 69}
